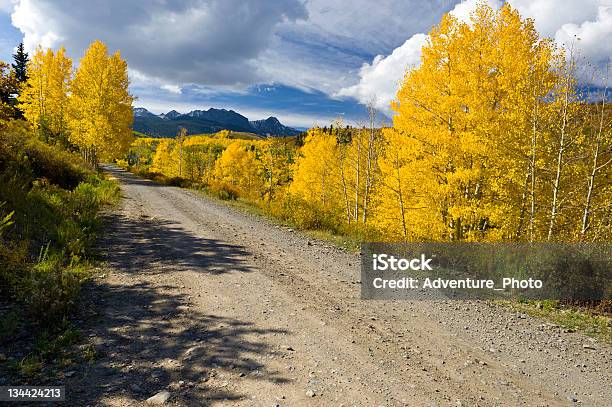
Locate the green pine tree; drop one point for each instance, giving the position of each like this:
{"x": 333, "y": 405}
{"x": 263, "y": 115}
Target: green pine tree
{"x": 21, "y": 64}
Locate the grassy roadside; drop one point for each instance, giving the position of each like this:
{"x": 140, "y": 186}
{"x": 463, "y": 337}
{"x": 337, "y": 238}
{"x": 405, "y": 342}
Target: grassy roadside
{"x": 596, "y": 323}
{"x": 49, "y": 205}
{"x": 587, "y": 321}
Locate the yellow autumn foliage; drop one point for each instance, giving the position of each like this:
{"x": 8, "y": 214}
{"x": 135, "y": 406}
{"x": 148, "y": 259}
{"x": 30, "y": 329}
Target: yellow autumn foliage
{"x": 90, "y": 110}
{"x": 100, "y": 109}
{"x": 44, "y": 97}
{"x": 238, "y": 168}
{"x": 490, "y": 142}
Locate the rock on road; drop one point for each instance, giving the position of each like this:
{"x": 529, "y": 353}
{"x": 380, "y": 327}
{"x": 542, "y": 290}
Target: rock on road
{"x": 212, "y": 306}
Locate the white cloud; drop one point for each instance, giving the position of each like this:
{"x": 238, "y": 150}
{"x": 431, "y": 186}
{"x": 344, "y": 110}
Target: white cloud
{"x": 564, "y": 20}
{"x": 6, "y": 6}
{"x": 326, "y": 51}
{"x": 172, "y": 89}
{"x": 593, "y": 41}
{"x": 380, "y": 79}
{"x": 138, "y": 80}
{"x": 550, "y": 15}
{"x": 584, "y": 24}
{"x": 463, "y": 10}
{"x": 36, "y": 27}
{"x": 208, "y": 42}
{"x": 297, "y": 71}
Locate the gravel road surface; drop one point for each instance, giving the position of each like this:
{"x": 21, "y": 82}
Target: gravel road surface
{"x": 200, "y": 304}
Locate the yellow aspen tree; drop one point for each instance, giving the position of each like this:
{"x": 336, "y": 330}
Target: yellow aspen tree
{"x": 60, "y": 74}
{"x": 100, "y": 105}
{"x": 436, "y": 107}
{"x": 276, "y": 158}
{"x": 238, "y": 167}
{"x": 165, "y": 160}
{"x": 405, "y": 210}
{"x": 313, "y": 178}
{"x": 44, "y": 97}
{"x": 467, "y": 106}
{"x": 201, "y": 154}
{"x": 180, "y": 139}
{"x": 597, "y": 205}
{"x": 565, "y": 108}
{"x": 35, "y": 94}
{"x": 372, "y": 150}
{"x": 342, "y": 167}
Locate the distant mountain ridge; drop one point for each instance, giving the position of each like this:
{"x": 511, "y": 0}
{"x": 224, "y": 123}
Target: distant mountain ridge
{"x": 205, "y": 121}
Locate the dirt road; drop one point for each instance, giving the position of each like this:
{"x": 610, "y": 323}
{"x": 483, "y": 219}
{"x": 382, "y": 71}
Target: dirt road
{"x": 222, "y": 308}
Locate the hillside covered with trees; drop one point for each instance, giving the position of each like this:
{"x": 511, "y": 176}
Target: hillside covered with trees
{"x": 492, "y": 140}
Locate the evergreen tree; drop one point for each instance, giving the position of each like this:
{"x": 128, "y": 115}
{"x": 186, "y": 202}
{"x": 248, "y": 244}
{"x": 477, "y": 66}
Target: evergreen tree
{"x": 21, "y": 64}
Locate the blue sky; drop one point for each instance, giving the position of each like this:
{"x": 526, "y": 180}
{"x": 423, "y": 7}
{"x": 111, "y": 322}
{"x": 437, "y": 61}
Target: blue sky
{"x": 305, "y": 61}
{"x": 9, "y": 37}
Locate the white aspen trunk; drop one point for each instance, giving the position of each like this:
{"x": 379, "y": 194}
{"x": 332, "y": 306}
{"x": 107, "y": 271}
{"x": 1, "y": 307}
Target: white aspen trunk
{"x": 344, "y": 189}
{"x": 591, "y": 178}
{"x": 401, "y": 197}
{"x": 587, "y": 204}
{"x": 519, "y": 229}
{"x": 532, "y": 194}
{"x": 370, "y": 158}
{"x": 554, "y": 209}
{"x": 532, "y": 170}
{"x": 357, "y": 174}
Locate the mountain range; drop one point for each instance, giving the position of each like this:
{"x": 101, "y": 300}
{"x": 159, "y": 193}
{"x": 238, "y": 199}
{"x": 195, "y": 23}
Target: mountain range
{"x": 205, "y": 121}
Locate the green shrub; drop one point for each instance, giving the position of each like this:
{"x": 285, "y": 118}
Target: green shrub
{"x": 13, "y": 267}
{"x": 108, "y": 191}
{"x": 5, "y": 220}
{"x": 50, "y": 291}
{"x": 52, "y": 200}
{"x": 59, "y": 167}
{"x": 85, "y": 200}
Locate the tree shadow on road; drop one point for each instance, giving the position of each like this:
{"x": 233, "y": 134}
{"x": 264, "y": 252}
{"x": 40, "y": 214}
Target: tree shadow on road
{"x": 135, "y": 244}
{"x": 148, "y": 340}
{"x": 146, "y": 336}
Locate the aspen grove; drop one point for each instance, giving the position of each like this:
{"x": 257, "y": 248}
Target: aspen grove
{"x": 89, "y": 109}
{"x": 491, "y": 141}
